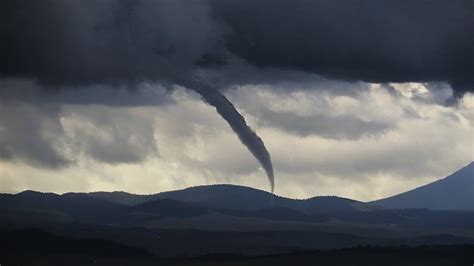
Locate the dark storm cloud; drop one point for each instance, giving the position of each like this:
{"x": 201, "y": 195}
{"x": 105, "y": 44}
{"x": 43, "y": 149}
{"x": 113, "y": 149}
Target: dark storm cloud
{"x": 77, "y": 42}
{"x": 370, "y": 40}
{"x": 86, "y": 42}
{"x": 28, "y": 91}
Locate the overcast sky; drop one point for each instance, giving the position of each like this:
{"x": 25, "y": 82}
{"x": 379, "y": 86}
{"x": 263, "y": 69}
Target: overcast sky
{"x": 360, "y": 101}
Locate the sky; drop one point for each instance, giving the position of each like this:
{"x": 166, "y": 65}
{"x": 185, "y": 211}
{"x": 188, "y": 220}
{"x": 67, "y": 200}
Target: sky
{"x": 316, "y": 97}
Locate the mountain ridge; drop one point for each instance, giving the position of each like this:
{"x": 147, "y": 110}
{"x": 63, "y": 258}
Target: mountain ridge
{"x": 453, "y": 192}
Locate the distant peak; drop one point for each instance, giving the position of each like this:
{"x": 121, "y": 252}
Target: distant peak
{"x": 224, "y": 187}
{"x": 330, "y": 197}
{"x": 32, "y": 192}
{"x": 469, "y": 167}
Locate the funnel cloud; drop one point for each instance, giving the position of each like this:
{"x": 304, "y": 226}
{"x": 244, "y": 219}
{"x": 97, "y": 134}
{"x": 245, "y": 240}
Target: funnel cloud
{"x": 238, "y": 124}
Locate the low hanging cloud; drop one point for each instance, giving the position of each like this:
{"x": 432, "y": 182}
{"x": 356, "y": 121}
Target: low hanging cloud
{"x": 112, "y": 136}
{"x": 55, "y": 136}
{"x": 52, "y": 129}
{"x": 31, "y": 133}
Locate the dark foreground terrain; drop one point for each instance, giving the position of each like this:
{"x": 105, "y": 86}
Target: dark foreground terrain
{"x": 36, "y": 247}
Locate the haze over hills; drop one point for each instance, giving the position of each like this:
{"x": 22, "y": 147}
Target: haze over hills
{"x": 454, "y": 192}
